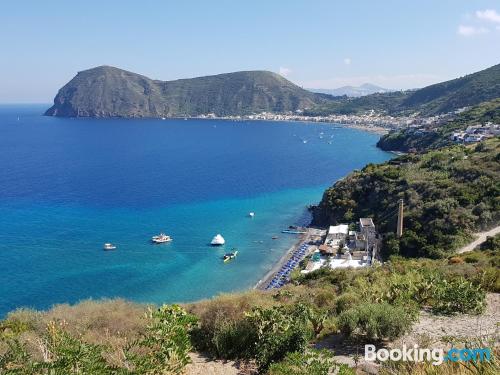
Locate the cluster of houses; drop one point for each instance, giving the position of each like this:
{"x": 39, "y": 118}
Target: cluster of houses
{"x": 343, "y": 248}
{"x": 476, "y": 133}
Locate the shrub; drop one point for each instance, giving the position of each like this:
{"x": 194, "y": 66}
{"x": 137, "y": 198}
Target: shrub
{"x": 346, "y": 301}
{"x": 471, "y": 258}
{"x": 68, "y": 355}
{"x": 458, "y": 296}
{"x": 312, "y": 362}
{"x": 324, "y": 298}
{"x": 375, "y": 321}
{"x": 62, "y": 354}
{"x": 491, "y": 243}
{"x": 232, "y": 339}
{"x": 165, "y": 347}
{"x": 489, "y": 279}
{"x": 279, "y": 330}
{"x": 317, "y": 318}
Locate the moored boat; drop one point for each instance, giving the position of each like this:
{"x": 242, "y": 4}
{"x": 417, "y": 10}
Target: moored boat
{"x": 229, "y": 256}
{"x": 161, "y": 238}
{"x": 218, "y": 240}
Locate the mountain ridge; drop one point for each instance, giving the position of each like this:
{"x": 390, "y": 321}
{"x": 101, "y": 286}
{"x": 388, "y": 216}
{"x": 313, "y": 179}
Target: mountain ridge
{"x": 447, "y": 96}
{"x": 353, "y": 91}
{"x": 106, "y": 91}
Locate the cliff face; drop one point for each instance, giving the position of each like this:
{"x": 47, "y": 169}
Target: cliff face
{"x": 110, "y": 92}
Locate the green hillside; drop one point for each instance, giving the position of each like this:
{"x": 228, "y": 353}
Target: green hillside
{"x": 410, "y": 139}
{"x": 448, "y": 194}
{"x": 110, "y": 92}
{"x": 442, "y": 97}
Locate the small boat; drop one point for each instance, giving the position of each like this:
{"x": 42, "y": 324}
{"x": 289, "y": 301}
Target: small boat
{"x": 218, "y": 240}
{"x": 304, "y": 141}
{"x": 161, "y": 238}
{"x": 251, "y": 214}
{"x": 109, "y": 246}
{"x": 229, "y": 256}
{"x": 274, "y": 237}
{"x": 163, "y": 118}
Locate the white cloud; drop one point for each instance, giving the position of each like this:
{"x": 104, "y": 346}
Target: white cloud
{"x": 488, "y": 15}
{"x": 467, "y": 31}
{"x": 285, "y": 72}
{"x": 347, "y": 61}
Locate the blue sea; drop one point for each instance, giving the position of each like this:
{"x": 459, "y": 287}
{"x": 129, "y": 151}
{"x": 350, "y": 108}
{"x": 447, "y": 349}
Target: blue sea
{"x": 69, "y": 185}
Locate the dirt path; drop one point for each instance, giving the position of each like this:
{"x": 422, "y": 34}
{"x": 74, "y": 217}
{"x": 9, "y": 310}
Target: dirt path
{"x": 202, "y": 365}
{"x": 481, "y": 237}
{"x": 437, "y": 328}
{"x": 430, "y": 331}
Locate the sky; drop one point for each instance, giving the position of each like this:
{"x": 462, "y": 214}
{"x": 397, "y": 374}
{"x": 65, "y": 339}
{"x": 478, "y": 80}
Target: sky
{"x": 314, "y": 43}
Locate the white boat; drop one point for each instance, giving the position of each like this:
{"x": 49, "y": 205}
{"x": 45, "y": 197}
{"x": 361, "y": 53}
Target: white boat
{"x": 163, "y": 118}
{"x": 218, "y": 240}
{"x": 161, "y": 238}
{"x": 109, "y": 246}
{"x": 251, "y": 214}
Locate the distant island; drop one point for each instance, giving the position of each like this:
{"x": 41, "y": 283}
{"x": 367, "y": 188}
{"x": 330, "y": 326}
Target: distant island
{"x": 106, "y": 91}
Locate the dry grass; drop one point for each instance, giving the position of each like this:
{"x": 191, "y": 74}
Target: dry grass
{"x": 111, "y": 323}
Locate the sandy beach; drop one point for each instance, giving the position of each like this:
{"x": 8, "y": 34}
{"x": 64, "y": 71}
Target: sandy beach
{"x": 363, "y": 127}
{"x": 262, "y": 283}
{"x": 368, "y": 128}
{"x": 303, "y": 238}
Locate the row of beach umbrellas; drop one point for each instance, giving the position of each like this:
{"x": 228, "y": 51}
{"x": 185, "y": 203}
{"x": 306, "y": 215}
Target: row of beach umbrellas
{"x": 283, "y": 275}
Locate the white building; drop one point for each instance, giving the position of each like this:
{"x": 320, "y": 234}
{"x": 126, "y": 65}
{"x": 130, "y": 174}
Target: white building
{"x": 337, "y": 235}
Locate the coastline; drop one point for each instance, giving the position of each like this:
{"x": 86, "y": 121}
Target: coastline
{"x": 368, "y": 128}
{"x": 262, "y": 283}
{"x": 302, "y": 239}
{"x": 380, "y": 130}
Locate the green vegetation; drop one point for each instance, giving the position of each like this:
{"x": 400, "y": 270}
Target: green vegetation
{"x": 443, "y": 97}
{"x": 448, "y": 194}
{"x": 491, "y": 243}
{"x": 161, "y": 347}
{"x": 273, "y": 330}
{"x": 380, "y": 102}
{"x": 92, "y": 93}
{"x": 409, "y": 139}
{"x": 312, "y": 362}
{"x": 375, "y": 321}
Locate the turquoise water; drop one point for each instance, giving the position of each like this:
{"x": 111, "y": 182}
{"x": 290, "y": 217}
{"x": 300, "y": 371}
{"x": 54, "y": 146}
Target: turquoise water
{"x": 69, "y": 185}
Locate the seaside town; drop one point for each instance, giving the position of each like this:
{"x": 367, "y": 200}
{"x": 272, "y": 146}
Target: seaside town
{"x": 370, "y": 119}
{"x": 383, "y": 123}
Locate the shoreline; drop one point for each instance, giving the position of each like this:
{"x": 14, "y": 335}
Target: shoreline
{"x": 266, "y": 279}
{"x": 367, "y": 128}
